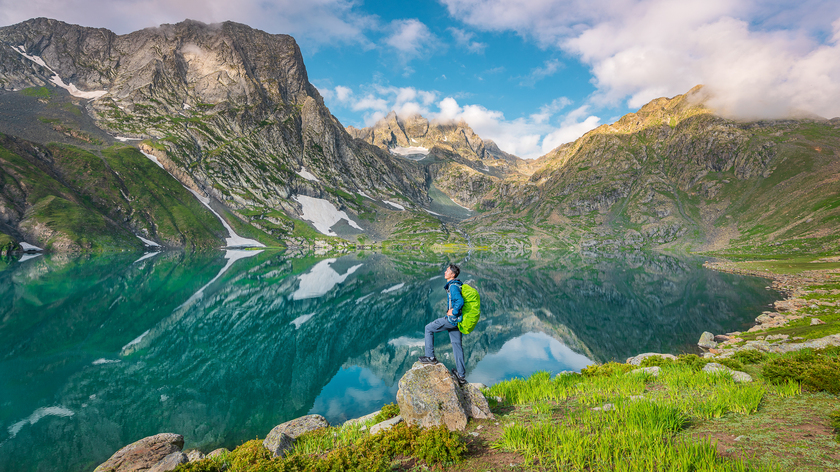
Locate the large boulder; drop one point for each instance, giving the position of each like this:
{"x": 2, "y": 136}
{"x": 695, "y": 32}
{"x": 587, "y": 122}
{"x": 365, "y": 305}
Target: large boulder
{"x": 282, "y": 437}
{"x": 430, "y": 396}
{"x": 707, "y": 340}
{"x": 170, "y": 462}
{"x": 144, "y": 454}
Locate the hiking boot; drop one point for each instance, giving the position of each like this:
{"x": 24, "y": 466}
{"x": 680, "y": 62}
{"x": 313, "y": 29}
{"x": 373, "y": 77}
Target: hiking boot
{"x": 428, "y": 360}
{"x": 461, "y": 380}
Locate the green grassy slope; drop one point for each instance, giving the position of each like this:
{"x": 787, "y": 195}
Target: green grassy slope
{"x": 673, "y": 173}
{"x": 70, "y": 199}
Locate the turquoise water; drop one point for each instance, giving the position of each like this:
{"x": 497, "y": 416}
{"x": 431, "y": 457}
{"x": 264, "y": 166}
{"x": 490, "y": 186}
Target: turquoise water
{"x": 99, "y": 351}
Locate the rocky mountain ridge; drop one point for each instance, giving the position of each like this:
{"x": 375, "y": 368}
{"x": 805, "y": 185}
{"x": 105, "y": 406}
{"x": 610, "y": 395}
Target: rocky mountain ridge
{"x": 459, "y": 162}
{"x": 231, "y": 106}
{"x": 674, "y": 173}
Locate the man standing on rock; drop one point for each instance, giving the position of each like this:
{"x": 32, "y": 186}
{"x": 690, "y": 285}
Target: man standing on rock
{"x": 449, "y": 323}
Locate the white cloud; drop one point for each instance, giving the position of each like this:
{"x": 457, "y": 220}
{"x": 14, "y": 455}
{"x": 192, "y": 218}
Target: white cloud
{"x": 548, "y": 69}
{"x": 464, "y": 40}
{"x": 343, "y": 94}
{"x": 410, "y": 38}
{"x": 757, "y": 59}
{"x": 314, "y": 22}
{"x": 527, "y": 137}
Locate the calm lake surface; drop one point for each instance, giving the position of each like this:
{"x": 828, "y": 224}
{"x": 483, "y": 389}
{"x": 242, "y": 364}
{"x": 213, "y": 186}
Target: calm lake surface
{"x": 99, "y": 351}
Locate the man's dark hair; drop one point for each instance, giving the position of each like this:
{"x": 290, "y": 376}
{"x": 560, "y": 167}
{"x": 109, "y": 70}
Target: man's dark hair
{"x": 455, "y": 270}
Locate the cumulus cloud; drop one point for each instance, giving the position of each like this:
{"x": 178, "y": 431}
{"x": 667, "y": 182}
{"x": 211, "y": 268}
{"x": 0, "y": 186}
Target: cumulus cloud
{"x": 314, "y": 22}
{"x": 410, "y": 38}
{"x": 528, "y": 137}
{"x": 464, "y": 40}
{"x": 757, "y": 59}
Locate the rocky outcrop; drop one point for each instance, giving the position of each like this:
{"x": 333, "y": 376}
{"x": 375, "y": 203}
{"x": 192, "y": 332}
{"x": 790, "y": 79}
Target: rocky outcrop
{"x": 282, "y": 437}
{"x": 429, "y": 396}
{"x": 146, "y": 454}
{"x": 230, "y": 106}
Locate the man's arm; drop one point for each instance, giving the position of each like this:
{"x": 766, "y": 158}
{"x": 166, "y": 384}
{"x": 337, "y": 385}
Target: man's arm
{"x": 456, "y": 300}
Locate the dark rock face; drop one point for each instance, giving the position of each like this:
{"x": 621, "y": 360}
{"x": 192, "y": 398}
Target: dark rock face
{"x": 145, "y": 454}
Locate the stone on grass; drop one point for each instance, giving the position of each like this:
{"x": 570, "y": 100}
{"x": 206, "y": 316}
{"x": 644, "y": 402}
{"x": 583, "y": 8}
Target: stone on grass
{"x": 475, "y": 405}
{"x": 362, "y": 419}
{"x": 816, "y": 321}
{"x": 478, "y": 385}
{"x": 654, "y": 371}
{"x": 707, "y": 340}
{"x": 712, "y": 367}
{"x": 386, "y": 425}
{"x": 604, "y": 407}
{"x": 143, "y": 454}
{"x": 737, "y": 375}
{"x": 217, "y": 452}
{"x": 282, "y": 437}
{"x": 169, "y": 462}
{"x": 429, "y": 396}
{"x": 637, "y": 360}
{"x": 194, "y": 455}
{"x": 741, "y": 377}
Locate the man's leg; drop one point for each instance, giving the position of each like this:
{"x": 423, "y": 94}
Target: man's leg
{"x": 458, "y": 350}
{"x": 435, "y": 326}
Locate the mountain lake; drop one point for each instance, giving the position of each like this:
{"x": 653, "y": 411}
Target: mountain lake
{"x": 99, "y": 351}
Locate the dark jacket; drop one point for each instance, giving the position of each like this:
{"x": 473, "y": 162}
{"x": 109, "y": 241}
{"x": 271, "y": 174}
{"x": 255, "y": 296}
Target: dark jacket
{"x": 455, "y": 301}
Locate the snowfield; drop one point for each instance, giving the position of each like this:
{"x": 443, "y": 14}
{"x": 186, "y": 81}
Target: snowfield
{"x": 154, "y": 159}
{"x": 320, "y": 280}
{"x": 395, "y": 205}
{"x": 323, "y": 214}
{"x": 307, "y": 175}
{"x": 234, "y": 240}
{"x": 56, "y": 79}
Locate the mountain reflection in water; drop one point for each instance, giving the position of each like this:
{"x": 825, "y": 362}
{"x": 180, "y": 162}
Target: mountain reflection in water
{"x": 99, "y": 351}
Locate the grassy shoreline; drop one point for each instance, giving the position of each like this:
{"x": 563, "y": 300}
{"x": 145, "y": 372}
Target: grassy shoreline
{"x": 671, "y": 416}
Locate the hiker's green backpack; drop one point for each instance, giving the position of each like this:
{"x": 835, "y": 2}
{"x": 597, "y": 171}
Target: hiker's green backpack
{"x": 471, "y": 310}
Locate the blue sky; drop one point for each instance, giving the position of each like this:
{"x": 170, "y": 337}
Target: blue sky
{"x": 529, "y": 74}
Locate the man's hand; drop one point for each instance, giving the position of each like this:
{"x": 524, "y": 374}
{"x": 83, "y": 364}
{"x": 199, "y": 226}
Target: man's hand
{"x": 449, "y": 313}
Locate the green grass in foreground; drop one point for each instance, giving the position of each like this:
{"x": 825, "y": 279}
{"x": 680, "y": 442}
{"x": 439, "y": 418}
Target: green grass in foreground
{"x": 346, "y": 448}
{"x": 639, "y": 433}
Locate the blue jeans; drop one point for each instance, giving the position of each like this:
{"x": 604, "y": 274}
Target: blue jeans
{"x": 437, "y": 326}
